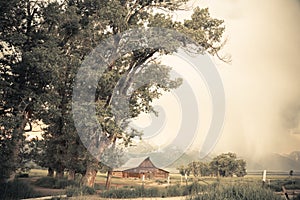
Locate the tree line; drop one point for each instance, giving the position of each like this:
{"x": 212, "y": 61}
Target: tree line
{"x": 43, "y": 44}
{"x": 223, "y": 165}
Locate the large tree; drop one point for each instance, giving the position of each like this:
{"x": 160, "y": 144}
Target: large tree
{"x": 120, "y": 16}
{"x": 227, "y": 164}
{"x": 47, "y": 43}
{"x": 26, "y": 71}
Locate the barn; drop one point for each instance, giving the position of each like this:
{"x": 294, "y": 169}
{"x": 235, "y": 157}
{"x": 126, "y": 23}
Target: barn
{"x": 137, "y": 167}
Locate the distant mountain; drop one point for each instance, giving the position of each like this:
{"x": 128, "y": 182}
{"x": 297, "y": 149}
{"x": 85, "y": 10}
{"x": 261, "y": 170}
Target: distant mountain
{"x": 295, "y": 155}
{"x": 276, "y": 162}
{"x": 188, "y": 157}
{"x": 272, "y": 161}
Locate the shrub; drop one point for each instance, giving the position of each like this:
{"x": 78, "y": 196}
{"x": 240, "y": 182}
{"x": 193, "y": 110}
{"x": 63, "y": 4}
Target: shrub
{"x": 23, "y": 175}
{"x": 194, "y": 188}
{"x": 276, "y": 185}
{"x": 175, "y": 190}
{"x": 50, "y": 182}
{"x": 47, "y": 182}
{"x": 16, "y": 190}
{"x": 79, "y": 191}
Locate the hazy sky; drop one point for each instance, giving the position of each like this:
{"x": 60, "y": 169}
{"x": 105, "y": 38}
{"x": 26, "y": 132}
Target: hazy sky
{"x": 262, "y": 84}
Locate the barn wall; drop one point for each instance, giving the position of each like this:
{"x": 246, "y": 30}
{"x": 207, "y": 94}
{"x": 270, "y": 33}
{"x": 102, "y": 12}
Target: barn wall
{"x": 117, "y": 174}
{"x": 145, "y": 168}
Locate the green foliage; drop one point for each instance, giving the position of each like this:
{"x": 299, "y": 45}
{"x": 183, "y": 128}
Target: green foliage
{"x": 50, "y": 182}
{"x": 133, "y": 192}
{"x": 227, "y": 164}
{"x": 199, "y": 168}
{"x": 289, "y": 184}
{"x": 43, "y": 44}
{"x": 184, "y": 170}
{"x": 6, "y": 159}
{"x": 224, "y": 165}
{"x": 174, "y": 190}
{"x": 72, "y": 191}
{"x": 16, "y": 190}
{"x": 169, "y": 191}
{"x": 236, "y": 191}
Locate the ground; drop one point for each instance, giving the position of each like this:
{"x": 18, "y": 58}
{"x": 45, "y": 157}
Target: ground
{"x": 175, "y": 179}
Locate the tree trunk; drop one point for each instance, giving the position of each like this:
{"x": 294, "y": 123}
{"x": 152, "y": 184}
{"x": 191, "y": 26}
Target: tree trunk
{"x": 59, "y": 173}
{"x": 93, "y": 164}
{"x": 90, "y": 174}
{"x": 108, "y": 179}
{"x": 19, "y": 132}
{"x": 71, "y": 174}
{"x": 50, "y": 172}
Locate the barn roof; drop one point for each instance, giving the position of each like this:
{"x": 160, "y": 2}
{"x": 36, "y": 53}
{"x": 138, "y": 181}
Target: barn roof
{"x": 136, "y": 163}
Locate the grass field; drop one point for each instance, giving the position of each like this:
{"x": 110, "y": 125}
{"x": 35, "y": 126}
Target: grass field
{"x": 207, "y": 188}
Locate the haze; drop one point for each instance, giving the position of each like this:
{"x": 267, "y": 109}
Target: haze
{"x": 262, "y": 82}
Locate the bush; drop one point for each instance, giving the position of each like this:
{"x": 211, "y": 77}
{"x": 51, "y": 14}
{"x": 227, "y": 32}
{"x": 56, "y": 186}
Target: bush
{"x": 194, "y": 188}
{"x": 276, "y": 185}
{"x": 175, "y": 190}
{"x": 16, "y": 190}
{"x": 23, "y": 175}
{"x": 50, "y": 182}
{"x": 47, "y": 182}
{"x": 79, "y": 191}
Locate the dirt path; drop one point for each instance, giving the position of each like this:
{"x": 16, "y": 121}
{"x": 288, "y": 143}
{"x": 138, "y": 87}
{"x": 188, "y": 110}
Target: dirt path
{"x": 94, "y": 197}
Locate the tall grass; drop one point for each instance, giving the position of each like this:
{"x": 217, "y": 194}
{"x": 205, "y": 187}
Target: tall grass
{"x": 241, "y": 191}
{"x": 196, "y": 191}
{"x": 16, "y": 190}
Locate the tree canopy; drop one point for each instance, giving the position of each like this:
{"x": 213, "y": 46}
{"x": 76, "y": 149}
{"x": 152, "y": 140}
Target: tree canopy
{"x": 43, "y": 44}
{"x": 224, "y": 165}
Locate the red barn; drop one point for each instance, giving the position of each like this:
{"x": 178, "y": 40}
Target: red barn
{"x": 137, "y": 167}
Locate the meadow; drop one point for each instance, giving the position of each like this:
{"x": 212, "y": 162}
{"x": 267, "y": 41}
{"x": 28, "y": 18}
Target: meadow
{"x": 249, "y": 187}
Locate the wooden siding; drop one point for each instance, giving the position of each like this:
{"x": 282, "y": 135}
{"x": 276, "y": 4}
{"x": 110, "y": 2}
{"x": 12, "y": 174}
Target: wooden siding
{"x": 146, "y": 168}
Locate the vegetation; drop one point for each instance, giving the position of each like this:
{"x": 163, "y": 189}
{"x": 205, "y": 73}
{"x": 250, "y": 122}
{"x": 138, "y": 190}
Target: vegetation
{"x": 223, "y": 165}
{"x": 237, "y": 191}
{"x": 43, "y": 44}
{"x": 16, "y": 190}
{"x": 168, "y": 191}
{"x": 196, "y": 191}
{"x": 79, "y": 191}
{"x": 227, "y": 164}
{"x": 56, "y": 183}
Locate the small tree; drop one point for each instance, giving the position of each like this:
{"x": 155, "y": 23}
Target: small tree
{"x": 195, "y": 168}
{"x": 199, "y": 168}
{"x": 184, "y": 171}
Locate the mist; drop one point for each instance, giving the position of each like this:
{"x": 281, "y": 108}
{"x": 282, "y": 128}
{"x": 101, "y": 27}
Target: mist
{"x": 262, "y": 83}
